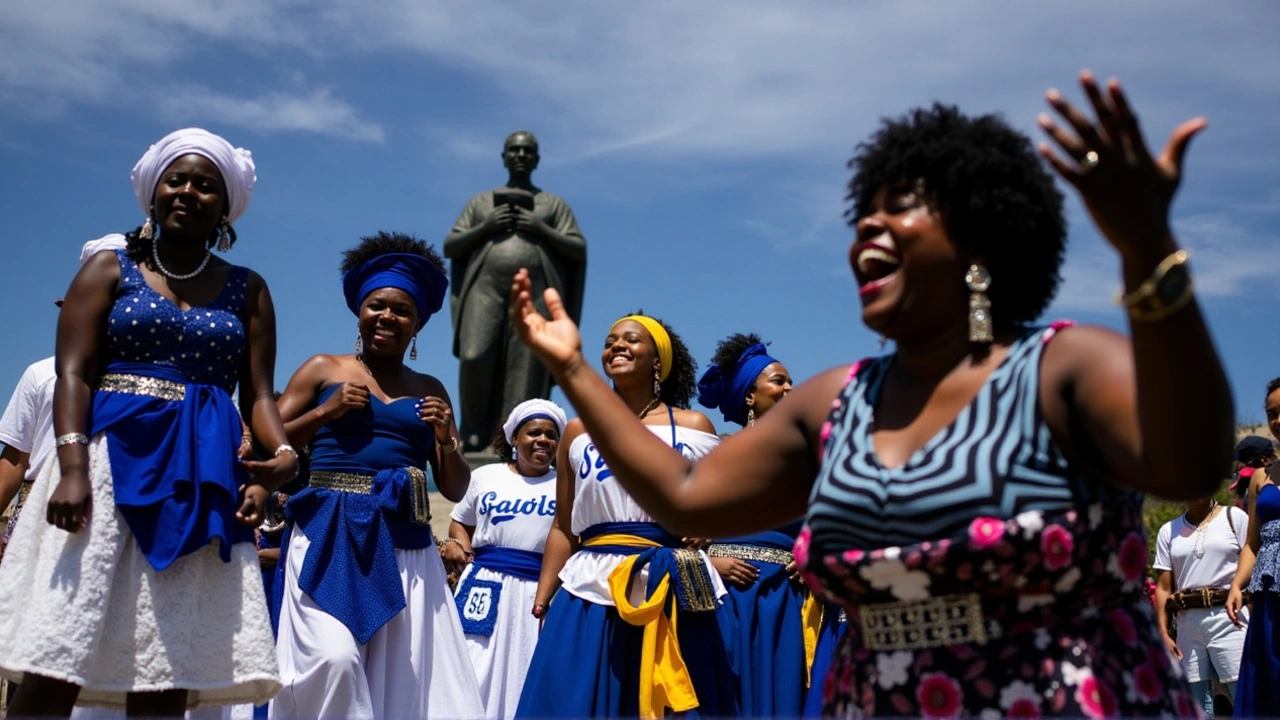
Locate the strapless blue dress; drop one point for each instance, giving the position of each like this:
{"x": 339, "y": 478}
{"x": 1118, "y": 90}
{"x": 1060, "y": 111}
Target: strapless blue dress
{"x": 368, "y": 497}
{"x": 1257, "y": 693}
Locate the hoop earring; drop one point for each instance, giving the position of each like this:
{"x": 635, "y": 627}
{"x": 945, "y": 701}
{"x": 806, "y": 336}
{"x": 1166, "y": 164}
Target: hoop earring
{"x": 224, "y": 235}
{"x": 413, "y": 348}
{"x": 359, "y": 344}
{"x": 751, "y": 417}
{"x": 148, "y": 231}
{"x": 978, "y": 280}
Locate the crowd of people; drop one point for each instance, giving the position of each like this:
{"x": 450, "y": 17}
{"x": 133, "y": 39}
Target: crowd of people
{"x": 953, "y": 528}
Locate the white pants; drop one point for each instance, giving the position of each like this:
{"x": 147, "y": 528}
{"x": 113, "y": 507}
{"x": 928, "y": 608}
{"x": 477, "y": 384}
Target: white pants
{"x": 1210, "y": 643}
{"x": 415, "y": 666}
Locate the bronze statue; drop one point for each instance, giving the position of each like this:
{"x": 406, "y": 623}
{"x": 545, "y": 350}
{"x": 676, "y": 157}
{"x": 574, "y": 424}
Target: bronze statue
{"x": 500, "y": 231}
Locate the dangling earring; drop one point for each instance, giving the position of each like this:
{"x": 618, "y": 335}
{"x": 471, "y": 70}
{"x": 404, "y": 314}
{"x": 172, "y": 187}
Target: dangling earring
{"x": 751, "y": 417}
{"x": 359, "y": 344}
{"x": 657, "y": 383}
{"x": 148, "y": 230}
{"x": 978, "y": 280}
{"x": 224, "y": 237}
{"x": 413, "y": 348}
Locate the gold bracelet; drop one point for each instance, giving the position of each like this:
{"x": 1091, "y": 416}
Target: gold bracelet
{"x": 451, "y": 447}
{"x": 1159, "y": 313}
{"x": 1149, "y": 286}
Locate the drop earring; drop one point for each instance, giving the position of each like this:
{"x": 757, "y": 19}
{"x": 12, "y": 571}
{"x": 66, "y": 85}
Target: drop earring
{"x": 978, "y": 280}
{"x": 224, "y": 235}
{"x": 413, "y": 348}
{"x": 359, "y": 344}
{"x": 657, "y": 383}
{"x": 751, "y": 417}
{"x": 148, "y": 230}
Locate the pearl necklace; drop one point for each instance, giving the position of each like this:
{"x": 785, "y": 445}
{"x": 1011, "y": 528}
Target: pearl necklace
{"x": 1202, "y": 528}
{"x": 155, "y": 255}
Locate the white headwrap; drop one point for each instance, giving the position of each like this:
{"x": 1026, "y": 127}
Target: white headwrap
{"x": 235, "y": 164}
{"x": 528, "y": 409}
{"x": 114, "y": 241}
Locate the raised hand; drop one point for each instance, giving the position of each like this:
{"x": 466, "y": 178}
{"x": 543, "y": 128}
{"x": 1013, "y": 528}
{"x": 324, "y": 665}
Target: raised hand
{"x": 71, "y": 504}
{"x": 556, "y": 342}
{"x": 1127, "y": 191}
{"x": 351, "y": 396}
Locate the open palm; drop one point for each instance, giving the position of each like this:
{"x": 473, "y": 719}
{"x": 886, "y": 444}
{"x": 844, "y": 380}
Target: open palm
{"x": 556, "y": 342}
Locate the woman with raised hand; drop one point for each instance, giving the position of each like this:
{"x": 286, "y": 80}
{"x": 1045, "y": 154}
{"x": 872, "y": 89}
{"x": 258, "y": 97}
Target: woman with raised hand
{"x": 973, "y": 498}
{"x": 141, "y": 591}
{"x": 632, "y": 630}
{"x": 769, "y": 620}
{"x": 367, "y": 627}
{"x": 498, "y": 532}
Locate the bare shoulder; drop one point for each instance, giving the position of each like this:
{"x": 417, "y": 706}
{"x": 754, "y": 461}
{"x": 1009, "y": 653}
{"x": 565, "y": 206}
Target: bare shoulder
{"x": 693, "y": 420}
{"x": 810, "y": 404}
{"x": 429, "y": 385}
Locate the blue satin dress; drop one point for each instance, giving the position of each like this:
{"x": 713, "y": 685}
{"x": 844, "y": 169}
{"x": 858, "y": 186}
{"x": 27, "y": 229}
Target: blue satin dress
{"x": 1257, "y": 691}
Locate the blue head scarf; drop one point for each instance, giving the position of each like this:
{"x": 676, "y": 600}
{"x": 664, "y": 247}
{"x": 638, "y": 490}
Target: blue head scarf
{"x": 729, "y": 392}
{"x": 414, "y": 274}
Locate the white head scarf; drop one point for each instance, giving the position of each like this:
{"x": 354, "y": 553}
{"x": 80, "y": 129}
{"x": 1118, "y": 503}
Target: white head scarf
{"x": 235, "y": 164}
{"x": 528, "y": 409}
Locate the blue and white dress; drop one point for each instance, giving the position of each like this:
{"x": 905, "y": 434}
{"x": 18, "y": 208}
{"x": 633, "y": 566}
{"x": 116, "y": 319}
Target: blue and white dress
{"x": 588, "y": 660}
{"x": 160, "y": 590}
{"x": 367, "y": 626}
{"x": 1257, "y": 694}
{"x": 512, "y": 515}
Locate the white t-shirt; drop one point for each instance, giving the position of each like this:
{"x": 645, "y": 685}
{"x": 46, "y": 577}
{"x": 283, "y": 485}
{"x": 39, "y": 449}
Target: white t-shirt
{"x": 508, "y": 509}
{"x": 27, "y": 424}
{"x": 1176, "y": 550}
{"x": 598, "y": 498}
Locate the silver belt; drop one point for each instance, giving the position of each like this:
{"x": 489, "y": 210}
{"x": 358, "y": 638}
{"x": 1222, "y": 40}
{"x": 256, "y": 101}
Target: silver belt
{"x": 363, "y": 485}
{"x": 920, "y": 624}
{"x": 750, "y": 552}
{"x": 143, "y": 385}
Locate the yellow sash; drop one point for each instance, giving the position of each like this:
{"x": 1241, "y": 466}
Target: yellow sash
{"x": 664, "y": 678}
{"x": 811, "y": 622}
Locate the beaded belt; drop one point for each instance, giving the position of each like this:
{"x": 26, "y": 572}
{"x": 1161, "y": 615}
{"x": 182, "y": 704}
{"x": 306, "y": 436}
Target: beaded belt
{"x": 24, "y": 490}
{"x": 750, "y": 552}
{"x": 920, "y": 624}
{"x": 1197, "y": 599}
{"x": 143, "y": 385}
{"x": 363, "y": 485}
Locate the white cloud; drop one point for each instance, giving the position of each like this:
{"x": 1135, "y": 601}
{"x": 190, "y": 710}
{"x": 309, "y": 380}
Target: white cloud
{"x": 316, "y": 112}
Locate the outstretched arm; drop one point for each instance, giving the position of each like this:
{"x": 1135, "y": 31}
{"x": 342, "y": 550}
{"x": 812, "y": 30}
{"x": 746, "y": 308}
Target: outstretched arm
{"x": 757, "y": 479}
{"x": 1167, "y": 412}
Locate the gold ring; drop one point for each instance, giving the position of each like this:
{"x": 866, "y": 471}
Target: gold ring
{"x": 1088, "y": 162}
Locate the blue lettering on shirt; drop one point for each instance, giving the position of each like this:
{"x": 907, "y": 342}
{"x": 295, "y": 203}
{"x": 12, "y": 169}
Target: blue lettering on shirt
{"x": 502, "y": 510}
{"x": 592, "y": 459}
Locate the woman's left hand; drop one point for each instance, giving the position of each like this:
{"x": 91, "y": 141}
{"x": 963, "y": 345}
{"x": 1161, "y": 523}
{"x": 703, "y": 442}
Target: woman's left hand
{"x": 1127, "y": 191}
{"x": 253, "y": 505}
{"x": 272, "y": 472}
{"x": 437, "y": 413}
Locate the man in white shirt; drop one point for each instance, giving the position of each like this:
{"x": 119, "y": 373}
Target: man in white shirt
{"x": 26, "y": 429}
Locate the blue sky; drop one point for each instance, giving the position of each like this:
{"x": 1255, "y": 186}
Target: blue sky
{"x": 702, "y": 145}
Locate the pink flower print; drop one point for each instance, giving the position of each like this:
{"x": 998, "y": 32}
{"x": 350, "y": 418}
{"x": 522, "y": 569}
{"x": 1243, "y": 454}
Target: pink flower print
{"x": 1123, "y": 625}
{"x": 800, "y": 551}
{"x": 938, "y": 695}
{"x": 1143, "y": 685}
{"x": 1133, "y": 557}
{"x": 853, "y": 557}
{"x": 985, "y": 532}
{"x": 1056, "y": 545}
{"x": 1024, "y": 709}
{"x": 1089, "y": 695}
{"x": 837, "y": 568}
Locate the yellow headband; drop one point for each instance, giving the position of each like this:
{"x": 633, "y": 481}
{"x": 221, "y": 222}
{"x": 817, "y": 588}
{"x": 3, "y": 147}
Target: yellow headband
{"x": 660, "y": 338}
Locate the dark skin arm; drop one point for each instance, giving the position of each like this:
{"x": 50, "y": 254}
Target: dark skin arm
{"x": 561, "y": 542}
{"x": 301, "y": 416}
{"x": 1164, "y": 589}
{"x": 81, "y": 335}
{"x": 13, "y": 468}
{"x": 457, "y": 555}
{"x": 1114, "y": 404}
{"x": 258, "y": 403}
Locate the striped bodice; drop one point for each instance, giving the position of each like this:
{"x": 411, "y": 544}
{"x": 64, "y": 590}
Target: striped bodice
{"x": 997, "y": 458}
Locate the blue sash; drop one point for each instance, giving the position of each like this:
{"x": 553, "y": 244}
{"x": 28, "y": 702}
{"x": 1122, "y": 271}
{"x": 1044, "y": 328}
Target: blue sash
{"x": 172, "y": 445}
{"x": 350, "y": 569}
{"x": 523, "y": 564}
{"x": 646, "y": 530}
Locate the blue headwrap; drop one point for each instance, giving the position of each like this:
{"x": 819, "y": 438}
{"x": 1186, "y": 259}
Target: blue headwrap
{"x": 729, "y": 393}
{"x": 414, "y": 274}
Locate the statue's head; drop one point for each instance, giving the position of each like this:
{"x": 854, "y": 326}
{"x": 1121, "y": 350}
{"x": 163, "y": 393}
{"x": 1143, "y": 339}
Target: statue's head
{"x": 520, "y": 154}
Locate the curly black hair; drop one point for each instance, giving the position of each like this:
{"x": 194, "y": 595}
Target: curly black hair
{"x": 681, "y": 384}
{"x": 1273, "y": 386}
{"x": 731, "y": 348}
{"x": 995, "y": 197}
{"x": 372, "y": 246}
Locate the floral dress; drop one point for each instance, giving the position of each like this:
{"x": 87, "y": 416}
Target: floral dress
{"x": 985, "y": 577}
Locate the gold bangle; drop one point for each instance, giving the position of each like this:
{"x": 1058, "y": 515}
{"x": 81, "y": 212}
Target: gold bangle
{"x": 1149, "y": 286}
{"x": 1159, "y": 313}
{"x": 452, "y": 447}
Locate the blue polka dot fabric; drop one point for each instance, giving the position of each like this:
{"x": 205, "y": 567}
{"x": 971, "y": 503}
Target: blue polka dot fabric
{"x": 206, "y": 343}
